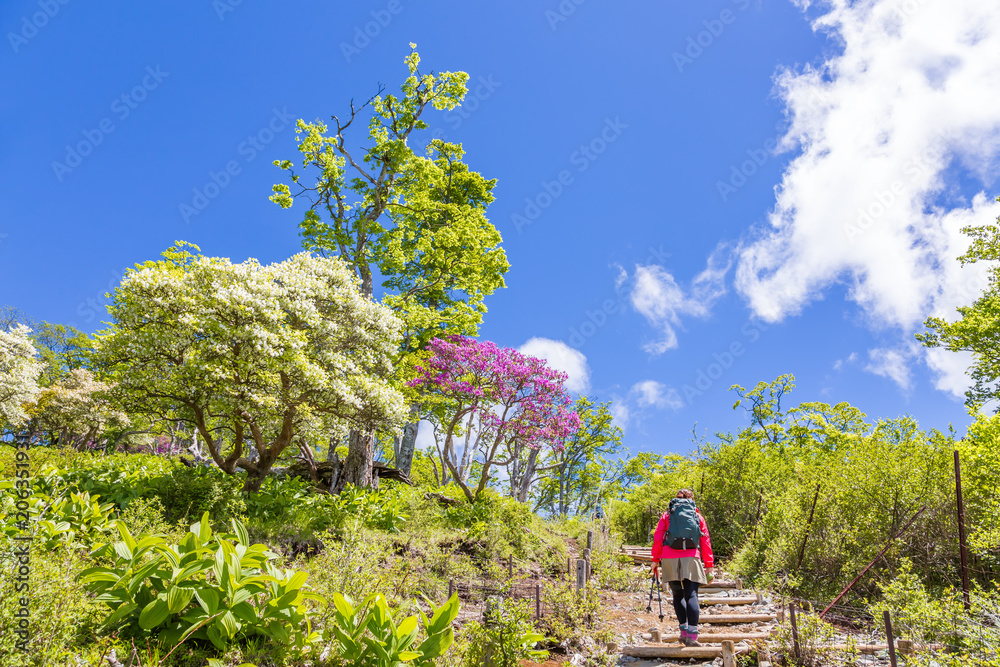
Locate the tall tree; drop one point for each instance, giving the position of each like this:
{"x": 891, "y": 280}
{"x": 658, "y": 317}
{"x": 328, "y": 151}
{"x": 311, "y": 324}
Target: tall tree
{"x": 19, "y": 373}
{"x": 252, "y": 355}
{"x": 514, "y": 402}
{"x": 417, "y": 219}
{"x": 978, "y": 328}
{"x": 577, "y": 474}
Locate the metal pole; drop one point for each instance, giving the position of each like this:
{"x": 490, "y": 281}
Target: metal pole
{"x": 961, "y": 533}
{"x": 873, "y": 561}
{"x": 510, "y": 567}
{"x": 889, "y": 638}
{"x": 451, "y": 588}
{"x": 538, "y": 601}
{"x": 805, "y": 537}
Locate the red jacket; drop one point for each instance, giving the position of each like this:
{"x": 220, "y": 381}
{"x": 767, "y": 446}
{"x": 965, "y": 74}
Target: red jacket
{"x": 660, "y": 551}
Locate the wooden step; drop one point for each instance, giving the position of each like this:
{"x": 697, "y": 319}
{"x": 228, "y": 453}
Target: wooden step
{"x": 732, "y": 619}
{"x": 682, "y": 652}
{"x": 718, "y": 637}
{"x": 718, "y": 599}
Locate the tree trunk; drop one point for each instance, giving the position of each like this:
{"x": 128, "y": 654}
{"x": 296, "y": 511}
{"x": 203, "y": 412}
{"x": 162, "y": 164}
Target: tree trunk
{"x": 408, "y": 444}
{"x": 254, "y": 480}
{"x": 357, "y": 468}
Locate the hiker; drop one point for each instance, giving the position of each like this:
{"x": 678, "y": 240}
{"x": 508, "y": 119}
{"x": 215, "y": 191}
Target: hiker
{"x": 682, "y": 547}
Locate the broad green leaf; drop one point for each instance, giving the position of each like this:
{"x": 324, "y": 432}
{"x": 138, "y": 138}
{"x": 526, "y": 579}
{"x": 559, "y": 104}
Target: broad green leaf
{"x": 178, "y": 598}
{"x": 435, "y": 645}
{"x": 208, "y": 598}
{"x": 241, "y": 532}
{"x": 153, "y": 614}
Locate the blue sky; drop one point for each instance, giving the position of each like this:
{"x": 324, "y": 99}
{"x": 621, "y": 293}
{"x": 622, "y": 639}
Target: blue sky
{"x": 692, "y": 195}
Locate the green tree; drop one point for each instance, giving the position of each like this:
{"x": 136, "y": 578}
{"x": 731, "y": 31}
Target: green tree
{"x": 249, "y": 355}
{"x": 417, "y": 219}
{"x": 578, "y": 475}
{"x": 978, "y": 328}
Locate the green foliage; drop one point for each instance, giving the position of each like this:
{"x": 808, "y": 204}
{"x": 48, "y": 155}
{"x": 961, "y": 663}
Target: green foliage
{"x": 814, "y": 637}
{"x": 192, "y": 492}
{"x": 916, "y": 614}
{"x": 204, "y": 587}
{"x": 63, "y": 616}
{"x": 570, "y": 613}
{"x": 367, "y": 636}
{"x": 586, "y": 469}
{"x": 978, "y": 326}
{"x": 504, "y": 638}
{"x": 415, "y": 217}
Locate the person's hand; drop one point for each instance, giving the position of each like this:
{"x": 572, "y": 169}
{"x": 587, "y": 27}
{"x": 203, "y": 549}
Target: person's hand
{"x": 711, "y": 574}
{"x": 654, "y": 569}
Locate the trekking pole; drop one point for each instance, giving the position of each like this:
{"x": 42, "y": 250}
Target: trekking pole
{"x": 649, "y": 605}
{"x": 659, "y": 597}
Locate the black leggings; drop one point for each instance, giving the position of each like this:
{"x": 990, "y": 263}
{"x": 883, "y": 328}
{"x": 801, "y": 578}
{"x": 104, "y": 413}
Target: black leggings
{"x": 686, "y": 601}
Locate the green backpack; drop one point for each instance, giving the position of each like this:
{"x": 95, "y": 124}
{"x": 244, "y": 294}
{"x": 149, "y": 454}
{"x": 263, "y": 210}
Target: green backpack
{"x": 685, "y": 528}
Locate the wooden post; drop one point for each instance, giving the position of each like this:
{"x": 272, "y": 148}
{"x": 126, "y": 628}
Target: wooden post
{"x": 451, "y": 588}
{"x": 581, "y": 574}
{"x": 590, "y": 539}
{"x": 655, "y": 636}
{"x": 569, "y": 568}
{"x": 805, "y": 537}
{"x": 873, "y": 561}
{"x": 961, "y": 533}
{"x": 728, "y": 654}
{"x": 795, "y": 632}
{"x": 510, "y": 567}
{"x": 586, "y": 558}
{"x": 538, "y": 601}
{"x": 889, "y": 638}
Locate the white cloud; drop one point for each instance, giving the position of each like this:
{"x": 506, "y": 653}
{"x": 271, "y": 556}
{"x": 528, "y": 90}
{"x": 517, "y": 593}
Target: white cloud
{"x": 658, "y": 297}
{"x": 892, "y": 364}
{"x": 650, "y": 393}
{"x": 883, "y": 130}
{"x": 562, "y": 357}
{"x": 839, "y": 363}
{"x": 620, "y": 413}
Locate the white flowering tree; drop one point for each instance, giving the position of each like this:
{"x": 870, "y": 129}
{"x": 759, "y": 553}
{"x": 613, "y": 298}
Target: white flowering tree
{"x": 19, "y": 371}
{"x": 249, "y": 354}
{"x": 75, "y": 411}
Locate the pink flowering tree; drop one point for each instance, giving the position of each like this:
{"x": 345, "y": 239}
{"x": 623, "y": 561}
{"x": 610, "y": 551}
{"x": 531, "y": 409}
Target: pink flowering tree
{"x": 515, "y": 404}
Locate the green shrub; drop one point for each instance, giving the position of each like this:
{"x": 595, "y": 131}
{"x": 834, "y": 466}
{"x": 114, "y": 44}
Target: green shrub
{"x": 205, "y": 587}
{"x": 367, "y": 636}
{"x": 505, "y": 637}
{"x": 63, "y": 617}
{"x": 570, "y": 613}
{"x": 192, "y": 492}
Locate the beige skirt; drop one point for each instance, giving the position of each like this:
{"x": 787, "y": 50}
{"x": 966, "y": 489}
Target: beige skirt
{"x": 679, "y": 569}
